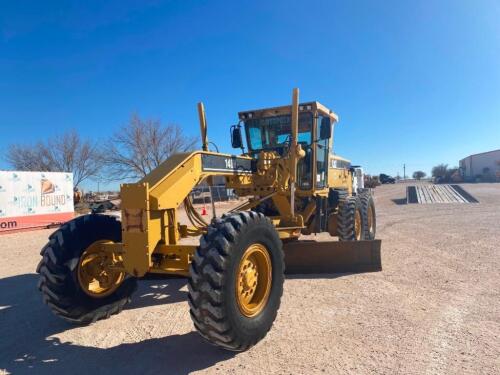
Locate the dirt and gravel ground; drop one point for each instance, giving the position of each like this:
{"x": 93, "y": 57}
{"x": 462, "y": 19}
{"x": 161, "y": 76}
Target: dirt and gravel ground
{"x": 434, "y": 309}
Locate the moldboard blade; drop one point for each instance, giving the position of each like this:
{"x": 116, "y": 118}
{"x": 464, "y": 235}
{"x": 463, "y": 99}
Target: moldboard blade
{"x": 302, "y": 257}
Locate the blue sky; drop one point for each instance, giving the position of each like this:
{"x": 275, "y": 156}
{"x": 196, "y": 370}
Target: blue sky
{"x": 415, "y": 82}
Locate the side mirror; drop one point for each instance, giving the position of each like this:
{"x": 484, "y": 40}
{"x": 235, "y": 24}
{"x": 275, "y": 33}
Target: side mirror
{"x": 236, "y": 138}
{"x": 325, "y": 129}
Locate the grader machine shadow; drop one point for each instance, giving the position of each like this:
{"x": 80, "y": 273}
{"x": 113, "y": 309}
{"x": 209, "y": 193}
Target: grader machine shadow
{"x": 27, "y": 345}
{"x": 27, "y": 330}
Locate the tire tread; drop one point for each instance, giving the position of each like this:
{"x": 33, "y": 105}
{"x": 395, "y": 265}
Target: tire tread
{"x": 205, "y": 288}
{"x": 57, "y": 274}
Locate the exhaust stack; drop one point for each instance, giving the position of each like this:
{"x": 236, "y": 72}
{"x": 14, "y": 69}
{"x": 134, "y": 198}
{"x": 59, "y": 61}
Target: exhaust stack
{"x": 293, "y": 148}
{"x": 203, "y": 126}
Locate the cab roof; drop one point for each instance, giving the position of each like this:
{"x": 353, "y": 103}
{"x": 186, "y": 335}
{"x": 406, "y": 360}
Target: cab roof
{"x": 286, "y": 109}
{"x": 337, "y": 157}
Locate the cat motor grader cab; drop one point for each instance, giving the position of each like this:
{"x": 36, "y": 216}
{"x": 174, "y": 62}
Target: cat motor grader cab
{"x": 90, "y": 265}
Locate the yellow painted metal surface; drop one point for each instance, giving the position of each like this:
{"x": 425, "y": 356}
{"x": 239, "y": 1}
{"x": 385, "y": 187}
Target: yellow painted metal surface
{"x": 286, "y": 110}
{"x": 371, "y": 219}
{"x": 203, "y": 126}
{"x": 340, "y": 178}
{"x": 149, "y": 207}
{"x": 174, "y": 259}
{"x": 96, "y": 276}
{"x": 138, "y": 228}
{"x": 253, "y": 280}
{"x": 357, "y": 225}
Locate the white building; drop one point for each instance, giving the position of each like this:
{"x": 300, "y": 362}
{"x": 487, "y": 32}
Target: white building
{"x": 484, "y": 166}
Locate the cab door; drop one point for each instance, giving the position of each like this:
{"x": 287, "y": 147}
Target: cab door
{"x": 305, "y": 139}
{"x": 322, "y": 152}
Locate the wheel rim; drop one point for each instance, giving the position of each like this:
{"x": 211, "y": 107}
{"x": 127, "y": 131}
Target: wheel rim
{"x": 357, "y": 225}
{"x": 95, "y": 276}
{"x": 370, "y": 219}
{"x": 253, "y": 280}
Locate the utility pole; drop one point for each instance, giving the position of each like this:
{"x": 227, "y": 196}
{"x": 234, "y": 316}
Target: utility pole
{"x": 404, "y": 171}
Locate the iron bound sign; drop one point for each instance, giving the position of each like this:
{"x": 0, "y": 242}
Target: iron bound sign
{"x": 34, "y": 199}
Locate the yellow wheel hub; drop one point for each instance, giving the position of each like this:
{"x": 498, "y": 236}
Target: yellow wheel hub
{"x": 370, "y": 219}
{"x": 357, "y": 224}
{"x": 253, "y": 280}
{"x": 95, "y": 274}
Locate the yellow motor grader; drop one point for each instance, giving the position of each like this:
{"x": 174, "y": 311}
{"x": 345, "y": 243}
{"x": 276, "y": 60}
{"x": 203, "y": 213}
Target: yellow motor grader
{"x": 292, "y": 186}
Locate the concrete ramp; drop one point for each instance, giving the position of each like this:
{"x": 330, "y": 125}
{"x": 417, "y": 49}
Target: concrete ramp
{"x": 428, "y": 194}
{"x": 305, "y": 257}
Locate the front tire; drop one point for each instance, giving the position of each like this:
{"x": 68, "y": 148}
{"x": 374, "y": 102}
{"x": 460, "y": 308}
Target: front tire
{"x": 236, "y": 282}
{"x": 62, "y": 274}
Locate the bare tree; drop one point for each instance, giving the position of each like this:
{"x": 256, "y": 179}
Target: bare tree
{"x": 67, "y": 153}
{"x": 440, "y": 170}
{"x": 27, "y": 157}
{"x": 419, "y": 175}
{"x": 141, "y": 145}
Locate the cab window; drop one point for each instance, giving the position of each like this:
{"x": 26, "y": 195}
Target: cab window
{"x": 271, "y": 133}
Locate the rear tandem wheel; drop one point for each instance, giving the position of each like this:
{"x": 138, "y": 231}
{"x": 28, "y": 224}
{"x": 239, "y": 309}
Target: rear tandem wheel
{"x": 369, "y": 217}
{"x": 350, "y": 219}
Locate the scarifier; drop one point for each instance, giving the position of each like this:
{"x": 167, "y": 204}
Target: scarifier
{"x": 293, "y": 185}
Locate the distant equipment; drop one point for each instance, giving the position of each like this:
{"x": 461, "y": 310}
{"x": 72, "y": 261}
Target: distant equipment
{"x": 101, "y": 207}
{"x": 386, "y": 179}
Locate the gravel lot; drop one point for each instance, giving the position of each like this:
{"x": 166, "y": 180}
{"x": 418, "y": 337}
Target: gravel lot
{"x": 434, "y": 309}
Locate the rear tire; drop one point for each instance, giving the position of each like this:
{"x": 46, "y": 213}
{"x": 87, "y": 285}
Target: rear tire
{"x": 215, "y": 305}
{"x": 350, "y": 219}
{"x": 58, "y": 270}
{"x": 369, "y": 217}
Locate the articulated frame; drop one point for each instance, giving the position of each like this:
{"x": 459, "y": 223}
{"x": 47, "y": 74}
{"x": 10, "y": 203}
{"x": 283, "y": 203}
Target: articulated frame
{"x": 150, "y": 227}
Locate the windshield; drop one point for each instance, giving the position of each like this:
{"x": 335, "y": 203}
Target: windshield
{"x": 274, "y": 132}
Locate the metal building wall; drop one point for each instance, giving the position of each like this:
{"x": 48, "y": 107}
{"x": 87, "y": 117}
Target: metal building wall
{"x": 475, "y": 165}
